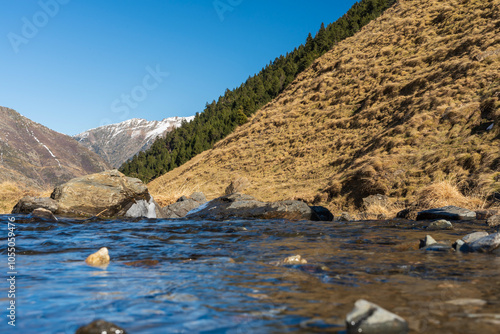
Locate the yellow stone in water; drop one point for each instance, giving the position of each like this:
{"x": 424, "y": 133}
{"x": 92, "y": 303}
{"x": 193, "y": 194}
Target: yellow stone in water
{"x": 99, "y": 258}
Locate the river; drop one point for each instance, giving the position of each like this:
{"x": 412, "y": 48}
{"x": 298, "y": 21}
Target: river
{"x": 182, "y": 276}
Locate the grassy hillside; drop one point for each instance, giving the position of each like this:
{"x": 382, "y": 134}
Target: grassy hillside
{"x": 220, "y": 118}
{"x": 411, "y": 100}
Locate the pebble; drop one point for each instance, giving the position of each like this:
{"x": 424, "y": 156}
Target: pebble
{"x": 368, "y": 318}
{"x": 99, "y": 258}
{"x": 441, "y": 224}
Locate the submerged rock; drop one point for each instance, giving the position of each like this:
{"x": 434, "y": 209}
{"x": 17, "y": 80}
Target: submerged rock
{"x": 447, "y": 212}
{"x": 370, "y": 318}
{"x": 99, "y": 258}
{"x": 244, "y": 206}
{"x": 100, "y": 327}
{"x": 183, "y": 205}
{"x": 441, "y": 224}
{"x": 107, "y": 194}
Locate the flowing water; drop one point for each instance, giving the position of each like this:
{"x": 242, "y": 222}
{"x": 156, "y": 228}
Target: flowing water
{"x": 181, "y": 276}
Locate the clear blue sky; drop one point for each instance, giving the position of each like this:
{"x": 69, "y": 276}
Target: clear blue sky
{"x": 73, "y": 65}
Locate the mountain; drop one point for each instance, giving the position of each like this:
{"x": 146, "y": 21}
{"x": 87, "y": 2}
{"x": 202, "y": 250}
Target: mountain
{"x": 117, "y": 143}
{"x": 220, "y": 118}
{"x": 33, "y": 156}
{"x": 410, "y": 100}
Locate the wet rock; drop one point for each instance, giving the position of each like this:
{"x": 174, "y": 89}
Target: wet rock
{"x": 99, "y": 258}
{"x": 441, "y": 224}
{"x": 370, "y": 318}
{"x": 28, "y": 204}
{"x": 44, "y": 213}
{"x": 345, "y": 217}
{"x": 244, "y": 206}
{"x": 296, "y": 259}
{"x": 100, "y": 327}
{"x": 459, "y": 245}
{"x": 323, "y": 213}
{"x": 428, "y": 240}
{"x": 439, "y": 247}
{"x": 493, "y": 221}
{"x": 183, "y": 205}
{"x": 237, "y": 186}
{"x": 447, "y": 212}
{"x": 408, "y": 213}
{"x": 487, "y": 244}
{"x": 471, "y": 237}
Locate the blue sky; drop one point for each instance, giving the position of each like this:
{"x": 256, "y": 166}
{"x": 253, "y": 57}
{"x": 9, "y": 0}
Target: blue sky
{"x": 73, "y": 65}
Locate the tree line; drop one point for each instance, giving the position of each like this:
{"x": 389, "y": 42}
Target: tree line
{"x": 232, "y": 109}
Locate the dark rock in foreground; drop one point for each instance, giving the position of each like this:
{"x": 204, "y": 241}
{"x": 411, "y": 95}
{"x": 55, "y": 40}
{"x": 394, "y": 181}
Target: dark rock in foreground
{"x": 447, "y": 212}
{"x": 107, "y": 194}
{"x": 370, "y": 318}
{"x": 99, "y": 327}
{"x": 183, "y": 205}
{"x": 244, "y": 206}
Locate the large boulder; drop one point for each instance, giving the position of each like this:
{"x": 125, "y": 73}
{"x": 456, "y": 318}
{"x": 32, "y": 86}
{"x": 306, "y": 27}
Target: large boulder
{"x": 107, "y": 194}
{"x": 244, "y": 206}
{"x": 183, "y": 205}
{"x": 447, "y": 212}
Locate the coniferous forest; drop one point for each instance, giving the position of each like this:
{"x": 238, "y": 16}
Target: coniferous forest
{"x": 232, "y": 109}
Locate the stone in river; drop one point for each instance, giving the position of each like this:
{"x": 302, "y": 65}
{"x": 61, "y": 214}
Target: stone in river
{"x": 370, "y": 318}
{"x": 296, "y": 259}
{"x": 447, "y": 212}
{"x": 471, "y": 237}
{"x": 100, "y": 327}
{"x": 441, "y": 224}
{"x": 487, "y": 244}
{"x": 183, "y": 205}
{"x": 44, "y": 213}
{"x": 493, "y": 221}
{"x": 99, "y": 258}
{"x": 427, "y": 241}
{"x": 28, "y": 204}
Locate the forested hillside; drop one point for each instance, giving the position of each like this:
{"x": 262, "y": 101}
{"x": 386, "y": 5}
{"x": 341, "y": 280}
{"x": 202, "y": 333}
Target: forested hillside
{"x": 220, "y": 118}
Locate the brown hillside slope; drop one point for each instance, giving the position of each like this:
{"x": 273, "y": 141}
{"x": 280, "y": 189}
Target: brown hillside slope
{"x": 410, "y": 100}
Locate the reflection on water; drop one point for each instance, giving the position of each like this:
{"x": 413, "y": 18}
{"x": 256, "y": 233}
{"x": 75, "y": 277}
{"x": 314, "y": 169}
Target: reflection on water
{"x": 179, "y": 276}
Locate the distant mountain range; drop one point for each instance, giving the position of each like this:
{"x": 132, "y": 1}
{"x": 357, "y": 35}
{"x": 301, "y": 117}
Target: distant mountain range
{"x": 31, "y": 155}
{"x": 116, "y": 143}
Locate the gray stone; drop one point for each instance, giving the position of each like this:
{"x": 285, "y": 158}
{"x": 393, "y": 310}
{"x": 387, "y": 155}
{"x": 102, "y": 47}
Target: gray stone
{"x": 429, "y": 241}
{"x": 458, "y": 245}
{"x": 244, "y": 206}
{"x": 440, "y": 225}
{"x": 183, "y": 205}
{"x": 375, "y": 200}
{"x": 370, "y": 318}
{"x": 487, "y": 244}
{"x": 44, "y": 213}
{"x": 493, "y": 221}
{"x": 199, "y": 197}
{"x": 471, "y": 237}
{"x": 447, "y": 212}
{"x": 28, "y": 204}
{"x": 100, "y": 327}
{"x": 345, "y": 217}
{"x": 485, "y": 214}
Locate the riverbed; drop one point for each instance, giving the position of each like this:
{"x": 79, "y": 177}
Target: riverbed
{"x": 182, "y": 276}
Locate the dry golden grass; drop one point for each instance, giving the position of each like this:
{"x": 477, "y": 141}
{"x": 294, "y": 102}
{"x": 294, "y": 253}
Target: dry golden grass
{"x": 10, "y": 194}
{"x": 402, "y": 104}
{"x": 445, "y": 193}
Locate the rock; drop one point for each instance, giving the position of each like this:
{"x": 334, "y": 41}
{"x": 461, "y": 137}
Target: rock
{"x": 485, "y": 214}
{"x": 323, "y": 213}
{"x": 487, "y": 244}
{"x": 440, "y": 225}
{"x": 296, "y": 259}
{"x": 493, "y": 221}
{"x": 100, "y": 327}
{"x": 471, "y": 237}
{"x": 427, "y": 241}
{"x": 370, "y": 318}
{"x": 237, "y": 186}
{"x": 447, "y": 212}
{"x": 375, "y": 200}
{"x": 44, "y": 213}
{"x": 345, "y": 217}
{"x": 439, "y": 247}
{"x": 28, "y": 204}
{"x": 458, "y": 245}
{"x": 408, "y": 213}
{"x": 107, "y": 194}
{"x": 183, "y": 205}
{"x": 244, "y": 206}
{"x": 99, "y": 258}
